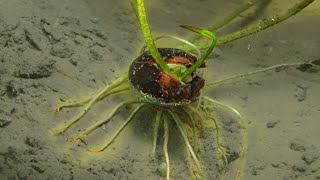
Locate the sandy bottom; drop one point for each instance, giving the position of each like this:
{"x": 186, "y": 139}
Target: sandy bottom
{"x": 55, "y": 50}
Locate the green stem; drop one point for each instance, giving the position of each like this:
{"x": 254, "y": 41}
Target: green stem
{"x": 259, "y": 26}
{"x": 200, "y": 61}
{"x": 141, "y": 14}
{"x": 229, "y": 17}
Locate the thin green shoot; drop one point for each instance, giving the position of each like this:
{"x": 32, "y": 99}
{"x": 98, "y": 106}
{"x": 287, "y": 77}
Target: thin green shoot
{"x": 138, "y": 6}
{"x": 258, "y": 26}
{"x": 230, "y": 16}
{"x": 201, "y": 60}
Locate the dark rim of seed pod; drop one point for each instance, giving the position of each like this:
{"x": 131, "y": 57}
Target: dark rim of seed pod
{"x": 152, "y": 85}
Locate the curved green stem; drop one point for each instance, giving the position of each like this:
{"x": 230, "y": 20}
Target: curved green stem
{"x": 139, "y": 9}
{"x": 259, "y": 26}
{"x": 229, "y": 17}
{"x": 201, "y": 60}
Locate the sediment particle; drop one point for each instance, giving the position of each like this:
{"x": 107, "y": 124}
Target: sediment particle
{"x": 74, "y": 61}
{"x": 87, "y": 42}
{"x": 299, "y": 167}
{"x": 35, "y": 37}
{"x": 94, "y": 20}
{"x": 62, "y": 50}
{"x": 98, "y": 33}
{"x": 19, "y": 36}
{"x": 232, "y": 156}
{"x": 31, "y": 71}
{"x": 309, "y": 158}
{"x": 271, "y": 124}
{"x": 297, "y": 146}
{"x": 4, "y": 121}
{"x": 309, "y": 68}
{"x": 10, "y": 154}
{"x": 12, "y": 90}
{"x": 301, "y": 92}
{"x": 69, "y": 21}
{"x": 316, "y": 62}
{"x": 96, "y": 53}
{"x": 52, "y": 33}
{"x": 256, "y": 169}
{"x": 37, "y": 168}
{"x": 33, "y": 142}
{"x": 4, "y": 38}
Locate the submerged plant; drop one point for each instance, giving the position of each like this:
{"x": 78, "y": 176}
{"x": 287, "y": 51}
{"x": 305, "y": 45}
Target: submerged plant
{"x": 167, "y": 82}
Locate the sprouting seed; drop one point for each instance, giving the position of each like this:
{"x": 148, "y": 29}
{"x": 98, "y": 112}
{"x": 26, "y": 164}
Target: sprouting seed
{"x": 167, "y": 82}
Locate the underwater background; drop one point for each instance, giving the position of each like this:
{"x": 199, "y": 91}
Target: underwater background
{"x": 54, "y": 50}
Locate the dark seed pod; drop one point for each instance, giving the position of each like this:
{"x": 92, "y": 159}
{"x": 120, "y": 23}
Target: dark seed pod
{"x": 151, "y": 85}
